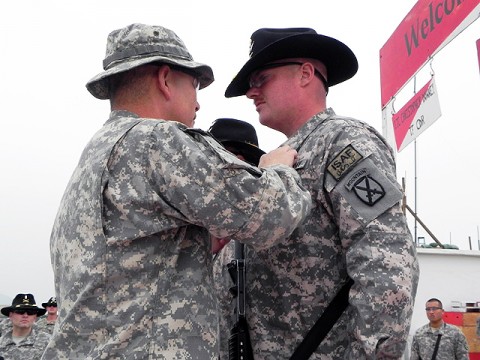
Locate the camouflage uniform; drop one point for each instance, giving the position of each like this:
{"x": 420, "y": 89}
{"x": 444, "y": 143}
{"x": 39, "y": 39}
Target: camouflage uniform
{"x": 453, "y": 344}
{"x": 356, "y": 228}
{"x": 131, "y": 248}
{"x": 5, "y": 325}
{"x": 30, "y": 348}
{"x": 45, "y": 325}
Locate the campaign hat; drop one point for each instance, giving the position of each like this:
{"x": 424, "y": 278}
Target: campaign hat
{"x": 140, "y": 44}
{"x": 272, "y": 44}
{"x": 23, "y": 302}
{"x": 51, "y": 302}
{"x": 240, "y": 135}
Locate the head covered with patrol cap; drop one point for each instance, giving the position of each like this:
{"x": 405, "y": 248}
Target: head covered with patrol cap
{"x": 139, "y": 44}
{"x": 270, "y": 44}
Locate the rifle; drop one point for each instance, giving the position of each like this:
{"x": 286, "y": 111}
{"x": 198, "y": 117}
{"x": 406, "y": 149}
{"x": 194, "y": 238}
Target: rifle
{"x": 239, "y": 345}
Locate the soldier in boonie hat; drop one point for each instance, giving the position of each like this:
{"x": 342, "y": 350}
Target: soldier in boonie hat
{"x": 140, "y": 205}
{"x": 23, "y": 302}
{"x": 139, "y": 44}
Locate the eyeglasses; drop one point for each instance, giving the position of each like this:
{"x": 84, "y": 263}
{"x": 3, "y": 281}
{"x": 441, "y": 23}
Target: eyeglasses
{"x": 433, "y": 308}
{"x": 257, "y": 82}
{"x": 24, "y": 311}
{"x": 196, "y": 80}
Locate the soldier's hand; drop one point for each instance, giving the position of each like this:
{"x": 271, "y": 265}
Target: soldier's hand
{"x": 218, "y": 243}
{"x": 284, "y": 155}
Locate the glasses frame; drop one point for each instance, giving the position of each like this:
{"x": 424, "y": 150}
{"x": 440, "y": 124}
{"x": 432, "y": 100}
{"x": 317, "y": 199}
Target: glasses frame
{"x": 192, "y": 73}
{"x": 255, "y": 84}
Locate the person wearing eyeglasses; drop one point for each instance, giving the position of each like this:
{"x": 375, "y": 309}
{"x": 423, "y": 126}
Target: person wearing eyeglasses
{"x": 437, "y": 339}
{"x": 24, "y": 341}
{"x": 130, "y": 246}
{"x": 356, "y": 232}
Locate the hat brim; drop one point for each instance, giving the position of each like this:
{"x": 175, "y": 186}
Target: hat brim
{"x": 98, "y": 85}
{"x": 250, "y": 152}
{"x": 340, "y": 61}
{"x": 7, "y": 310}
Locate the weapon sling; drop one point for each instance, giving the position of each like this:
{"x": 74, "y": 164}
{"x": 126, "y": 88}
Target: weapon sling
{"x": 434, "y": 356}
{"x": 324, "y": 323}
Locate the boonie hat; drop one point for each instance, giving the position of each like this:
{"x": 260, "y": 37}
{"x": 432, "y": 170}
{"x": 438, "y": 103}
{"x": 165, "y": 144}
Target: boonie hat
{"x": 139, "y": 44}
{"x": 51, "y": 302}
{"x": 270, "y": 44}
{"x": 23, "y": 302}
{"x": 240, "y": 135}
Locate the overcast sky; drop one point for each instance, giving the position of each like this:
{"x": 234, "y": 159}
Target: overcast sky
{"x": 52, "y": 48}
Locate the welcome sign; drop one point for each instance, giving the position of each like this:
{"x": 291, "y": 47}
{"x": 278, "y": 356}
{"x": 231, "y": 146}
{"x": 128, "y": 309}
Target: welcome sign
{"x": 426, "y": 29}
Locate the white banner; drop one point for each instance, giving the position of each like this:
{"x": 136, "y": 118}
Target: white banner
{"x": 416, "y": 116}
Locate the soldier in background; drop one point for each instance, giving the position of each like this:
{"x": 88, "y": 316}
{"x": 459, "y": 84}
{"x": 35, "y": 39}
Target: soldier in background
{"x": 23, "y": 340}
{"x": 5, "y": 325}
{"x": 437, "y": 339}
{"x": 47, "y": 323}
{"x": 240, "y": 138}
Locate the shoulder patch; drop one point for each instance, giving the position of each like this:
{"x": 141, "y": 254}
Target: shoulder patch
{"x": 369, "y": 191}
{"x": 344, "y": 161}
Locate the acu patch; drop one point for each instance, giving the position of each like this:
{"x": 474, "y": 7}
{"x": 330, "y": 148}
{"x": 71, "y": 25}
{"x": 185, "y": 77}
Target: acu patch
{"x": 369, "y": 190}
{"x": 344, "y": 161}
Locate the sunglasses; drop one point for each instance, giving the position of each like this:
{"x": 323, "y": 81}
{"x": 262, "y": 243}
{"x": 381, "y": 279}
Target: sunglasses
{"x": 24, "y": 311}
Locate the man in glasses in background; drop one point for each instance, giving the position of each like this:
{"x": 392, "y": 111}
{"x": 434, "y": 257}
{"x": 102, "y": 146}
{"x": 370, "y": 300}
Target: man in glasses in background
{"x": 437, "y": 339}
{"x": 23, "y": 341}
{"x": 356, "y": 232}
